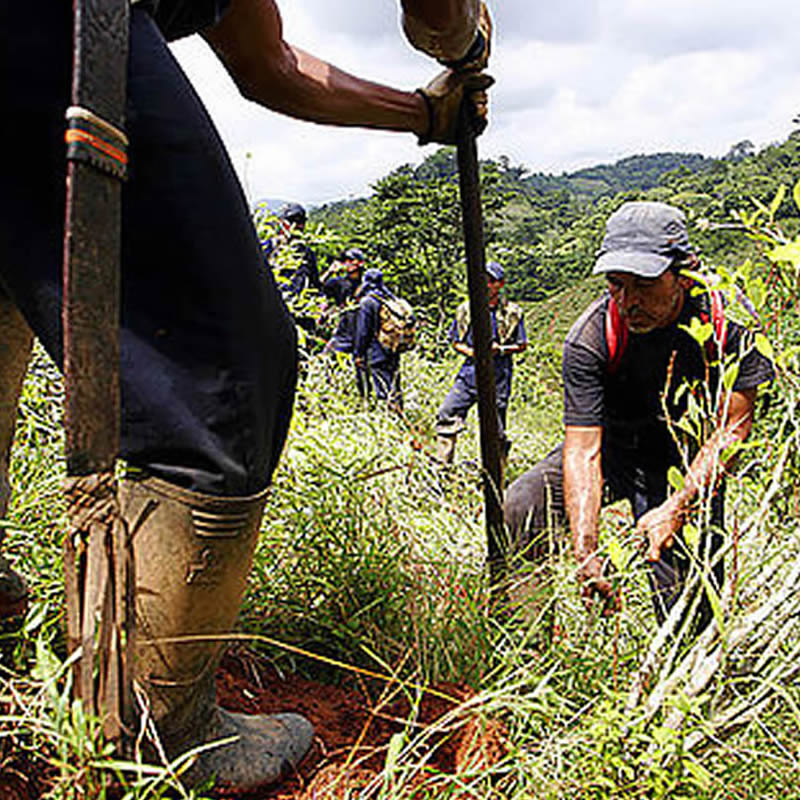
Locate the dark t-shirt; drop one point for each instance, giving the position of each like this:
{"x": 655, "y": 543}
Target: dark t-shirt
{"x": 340, "y": 288}
{"x": 293, "y": 264}
{"x": 628, "y": 402}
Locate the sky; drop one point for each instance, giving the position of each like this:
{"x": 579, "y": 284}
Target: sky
{"x": 579, "y": 82}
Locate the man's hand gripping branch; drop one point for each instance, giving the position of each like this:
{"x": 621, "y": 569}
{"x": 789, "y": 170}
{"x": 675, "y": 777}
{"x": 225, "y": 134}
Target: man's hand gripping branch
{"x": 583, "y": 492}
{"x": 458, "y": 33}
{"x": 658, "y": 527}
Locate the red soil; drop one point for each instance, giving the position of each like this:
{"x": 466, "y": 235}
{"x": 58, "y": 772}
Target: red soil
{"x": 353, "y": 723}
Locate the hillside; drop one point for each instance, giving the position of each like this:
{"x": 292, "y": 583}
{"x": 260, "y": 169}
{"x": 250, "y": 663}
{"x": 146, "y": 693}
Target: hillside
{"x": 368, "y": 607}
{"x": 545, "y": 229}
{"x": 634, "y": 173}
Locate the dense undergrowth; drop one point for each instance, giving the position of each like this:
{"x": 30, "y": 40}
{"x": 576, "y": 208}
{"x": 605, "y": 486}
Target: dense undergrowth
{"x": 371, "y": 561}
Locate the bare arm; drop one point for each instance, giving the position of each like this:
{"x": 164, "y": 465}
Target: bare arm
{"x": 509, "y": 349}
{"x": 463, "y": 349}
{"x": 249, "y": 41}
{"x": 659, "y": 525}
{"x": 583, "y": 488}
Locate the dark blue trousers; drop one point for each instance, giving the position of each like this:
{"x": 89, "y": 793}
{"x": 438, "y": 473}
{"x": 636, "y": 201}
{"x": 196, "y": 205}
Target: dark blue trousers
{"x": 382, "y": 378}
{"x": 208, "y": 351}
{"x": 461, "y": 397}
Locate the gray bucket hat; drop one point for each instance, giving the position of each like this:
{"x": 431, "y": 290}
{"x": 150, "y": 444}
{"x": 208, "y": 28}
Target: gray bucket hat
{"x": 643, "y": 237}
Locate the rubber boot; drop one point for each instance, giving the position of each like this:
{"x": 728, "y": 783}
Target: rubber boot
{"x": 16, "y": 341}
{"x": 192, "y": 554}
{"x": 445, "y": 449}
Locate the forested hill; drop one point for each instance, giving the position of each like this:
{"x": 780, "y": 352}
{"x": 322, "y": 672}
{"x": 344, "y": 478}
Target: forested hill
{"x": 546, "y": 229}
{"x": 634, "y": 173}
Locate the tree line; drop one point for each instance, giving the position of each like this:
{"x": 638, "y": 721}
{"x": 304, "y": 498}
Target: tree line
{"x": 544, "y": 229}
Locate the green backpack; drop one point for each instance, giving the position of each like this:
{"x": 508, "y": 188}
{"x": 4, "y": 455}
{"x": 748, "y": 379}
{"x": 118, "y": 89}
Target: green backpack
{"x": 397, "y": 331}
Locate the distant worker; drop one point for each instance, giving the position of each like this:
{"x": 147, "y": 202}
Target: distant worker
{"x": 292, "y": 261}
{"x": 627, "y": 349}
{"x": 341, "y": 292}
{"x": 339, "y": 288}
{"x": 508, "y": 339}
{"x": 377, "y": 366}
{"x": 208, "y": 361}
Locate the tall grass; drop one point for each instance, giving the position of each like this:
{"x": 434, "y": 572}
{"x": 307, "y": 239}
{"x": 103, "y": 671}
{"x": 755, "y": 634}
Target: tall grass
{"x": 372, "y": 558}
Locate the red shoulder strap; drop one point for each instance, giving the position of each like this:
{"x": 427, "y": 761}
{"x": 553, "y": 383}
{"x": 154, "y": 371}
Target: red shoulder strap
{"x": 617, "y": 330}
{"x": 716, "y": 345}
{"x": 616, "y": 335}
{"x": 718, "y": 318}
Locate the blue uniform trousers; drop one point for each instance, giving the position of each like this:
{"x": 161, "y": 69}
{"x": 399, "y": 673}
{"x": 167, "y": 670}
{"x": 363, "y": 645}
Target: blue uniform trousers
{"x": 461, "y": 397}
{"x": 208, "y": 351}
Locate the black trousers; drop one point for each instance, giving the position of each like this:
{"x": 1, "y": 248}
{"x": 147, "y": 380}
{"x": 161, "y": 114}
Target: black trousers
{"x": 534, "y": 505}
{"x": 208, "y": 351}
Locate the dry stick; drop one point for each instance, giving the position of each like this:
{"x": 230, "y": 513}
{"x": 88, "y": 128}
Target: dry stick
{"x": 743, "y": 712}
{"x": 700, "y": 665}
{"x": 698, "y": 657}
{"x": 747, "y": 710}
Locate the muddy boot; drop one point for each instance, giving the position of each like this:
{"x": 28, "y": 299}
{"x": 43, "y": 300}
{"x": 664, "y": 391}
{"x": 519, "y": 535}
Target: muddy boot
{"x": 192, "y": 553}
{"x": 16, "y": 340}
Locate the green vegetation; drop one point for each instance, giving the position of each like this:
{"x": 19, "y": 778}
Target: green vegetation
{"x": 545, "y": 229}
{"x": 372, "y": 557}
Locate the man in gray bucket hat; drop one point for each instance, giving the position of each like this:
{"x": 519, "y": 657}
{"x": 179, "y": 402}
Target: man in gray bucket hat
{"x": 631, "y": 369}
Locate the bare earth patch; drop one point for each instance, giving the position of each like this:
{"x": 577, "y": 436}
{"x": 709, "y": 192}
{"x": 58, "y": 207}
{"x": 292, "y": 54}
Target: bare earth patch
{"x": 354, "y": 723}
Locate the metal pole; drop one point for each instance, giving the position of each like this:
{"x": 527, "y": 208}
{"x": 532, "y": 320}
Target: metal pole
{"x": 472, "y": 218}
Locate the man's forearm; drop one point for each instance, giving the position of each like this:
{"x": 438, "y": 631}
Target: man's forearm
{"x": 659, "y": 525}
{"x": 583, "y": 495}
{"x": 313, "y": 90}
{"x": 511, "y": 349}
{"x": 582, "y": 502}
{"x": 712, "y": 461}
{"x": 286, "y": 79}
{"x": 463, "y": 349}
{"x": 583, "y": 481}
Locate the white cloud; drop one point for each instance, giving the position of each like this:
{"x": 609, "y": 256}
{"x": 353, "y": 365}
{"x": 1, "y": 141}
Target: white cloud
{"x": 578, "y": 82}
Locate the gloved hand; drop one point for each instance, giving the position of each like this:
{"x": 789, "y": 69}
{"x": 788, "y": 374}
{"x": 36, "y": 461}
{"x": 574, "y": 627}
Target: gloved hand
{"x": 443, "y": 96}
{"x": 477, "y": 57}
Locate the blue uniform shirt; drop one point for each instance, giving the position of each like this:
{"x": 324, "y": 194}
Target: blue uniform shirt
{"x": 511, "y": 331}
